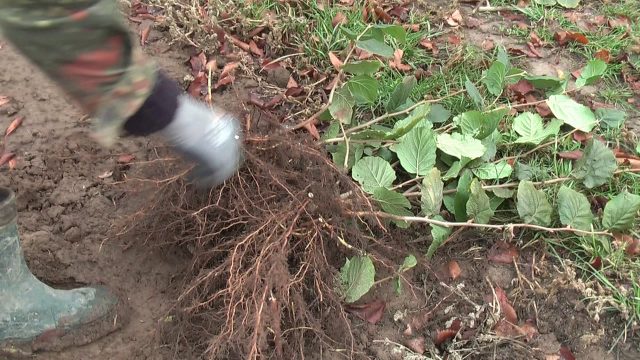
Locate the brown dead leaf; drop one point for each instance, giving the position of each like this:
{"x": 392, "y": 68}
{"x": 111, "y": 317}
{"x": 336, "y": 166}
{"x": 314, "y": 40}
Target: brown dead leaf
{"x": 257, "y": 31}
{"x": 253, "y": 47}
{"x": 362, "y": 54}
{"x": 429, "y": 45}
{"x": 339, "y": 19}
{"x": 507, "y": 310}
{"x": 396, "y": 63}
{"x": 401, "y": 12}
{"x": 455, "y": 19}
{"x": 239, "y": 43}
{"x": 630, "y": 243}
{"x": 292, "y": 83}
{"x": 6, "y": 157}
{"x": 454, "y": 40}
{"x": 563, "y": 37}
{"x": 126, "y": 158}
{"x": 268, "y": 64}
{"x": 371, "y": 312}
{"x": 448, "y": 334}
{"x": 529, "y": 330}
{"x": 417, "y": 345}
{"x": 504, "y": 328}
{"x": 581, "y": 136}
{"x": 337, "y": 63}
{"x": 521, "y": 51}
{"x": 197, "y": 63}
{"x": 382, "y": 15}
{"x": 454, "y": 269}
{"x": 12, "y": 163}
{"x": 522, "y": 87}
{"x": 195, "y": 88}
{"x": 570, "y": 155}
{"x": 229, "y": 68}
{"x": 603, "y": 55}
{"x": 543, "y": 110}
{"x": 566, "y": 354}
{"x": 597, "y": 263}
{"x": 145, "y": 30}
{"x": 487, "y": 45}
{"x": 503, "y": 253}
{"x": 533, "y": 50}
{"x": 15, "y": 124}
{"x": 222, "y": 81}
{"x": 535, "y": 39}
{"x": 4, "y": 100}
{"x": 620, "y": 21}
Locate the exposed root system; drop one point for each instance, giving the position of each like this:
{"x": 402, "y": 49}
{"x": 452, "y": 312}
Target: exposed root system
{"x": 265, "y": 253}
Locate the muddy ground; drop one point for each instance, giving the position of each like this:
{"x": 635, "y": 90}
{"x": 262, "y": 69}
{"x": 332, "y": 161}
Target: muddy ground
{"x": 71, "y": 216}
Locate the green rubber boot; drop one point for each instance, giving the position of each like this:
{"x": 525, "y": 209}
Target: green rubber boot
{"x": 35, "y": 317}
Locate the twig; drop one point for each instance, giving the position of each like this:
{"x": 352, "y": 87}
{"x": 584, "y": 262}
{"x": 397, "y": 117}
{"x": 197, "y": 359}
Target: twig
{"x": 346, "y": 145}
{"x": 448, "y": 224}
{"x": 333, "y": 88}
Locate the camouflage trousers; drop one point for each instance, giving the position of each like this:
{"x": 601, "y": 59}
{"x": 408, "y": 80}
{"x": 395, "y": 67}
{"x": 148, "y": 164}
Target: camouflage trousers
{"x": 85, "y": 47}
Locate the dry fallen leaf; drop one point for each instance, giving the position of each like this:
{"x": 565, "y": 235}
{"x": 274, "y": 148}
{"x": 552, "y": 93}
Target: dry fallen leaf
{"x": 448, "y": 334}
{"x": 570, "y": 155}
{"x": 6, "y": 157}
{"x": 487, "y": 44}
{"x": 195, "y": 88}
{"x": 429, "y": 45}
{"x": 400, "y": 12}
{"x": 4, "y": 100}
{"x": 253, "y": 47}
{"x": 417, "y": 345}
{"x": 543, "y": 110}
{"x": 502, "y": 252}
{"x": 339, "y": 19}
{"x": 535, "y": 39}
{"x": 566, "y": 354}
{"x": 603, "y": 55}
{"x": 145, "y": 30}
{"x": 337, "y": 63}
{"x": 106, "y": 174}
{"x": 15, "y": 124}
{"x": 454, "y": 269}
{"x": 507, "y": 310}
{"x": 198, "y": 63}
{"x": 581, "y": 136}
{"x": 382, "y": 15}
{"x": 396, "y": 63}
{"x": 371, "y": 312}
{"x": 455, "y": 19}
{"x": 563, "y": 37}
{"x": 126, "y": 158}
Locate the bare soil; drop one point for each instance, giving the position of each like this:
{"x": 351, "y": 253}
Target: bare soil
{"x": 72, "y": 216}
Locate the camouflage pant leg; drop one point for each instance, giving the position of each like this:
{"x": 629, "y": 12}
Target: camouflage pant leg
{"x": 85, "y": 47}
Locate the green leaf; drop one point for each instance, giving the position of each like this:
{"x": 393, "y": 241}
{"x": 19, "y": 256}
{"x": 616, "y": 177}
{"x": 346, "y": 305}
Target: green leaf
{"x": 370, "y": 134}
{"x": 638, "y": 148}
{"x": 393, "y": 203}
{"x": 533, "y": 206}
{"x": 478, "y": 206}
{"x": 544, "y": 82}
{"x": 612, "y": 118}
{"x": 341, "y": 107}
{"x": 373, "y": 172}
{"x": 494, "y": 78}
{"x": 572, "y": 113}
{"x": 503, "y": 56}
{"x": 417, "y": 118}
{"x": 597, "y": 164}
{"x": 366, "y": 67}
{"x": 357, "y": 277}
{"x": 503, "y": 193}
{"x": 438, "y": 114}
{"x": 524, "y": 171}
{"x": 364, "y": 89}
{"x": 495, "y": 203}
{"x": 432, "y": 187}
{"x": 409, "y": 262}
{"x": 491, "y": 144}
{"x": 571, "y": 4}
{"x": 438, "y": 235}
{"x": 478, "y": 124}
{"x": 401, "y": 93}
{"x": 462, "y": 196}
{"x": 453, "y": 171}
{"x": 395, "y": 31}
{"x": 621, "y": 211}
{"x": 460, "y": 145}
{"x": 473, "y": 92}
{"x": 493, "y": 171}
{"x": 376, "y": 47}
{"x": 417, "y": 151}
{"x": 574, "y": 209}
{"x": 355, "y": 153}
{"x": 591, "y": 73}
{"x": 332, "y": 131}
{"x": 531, "y": 129}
